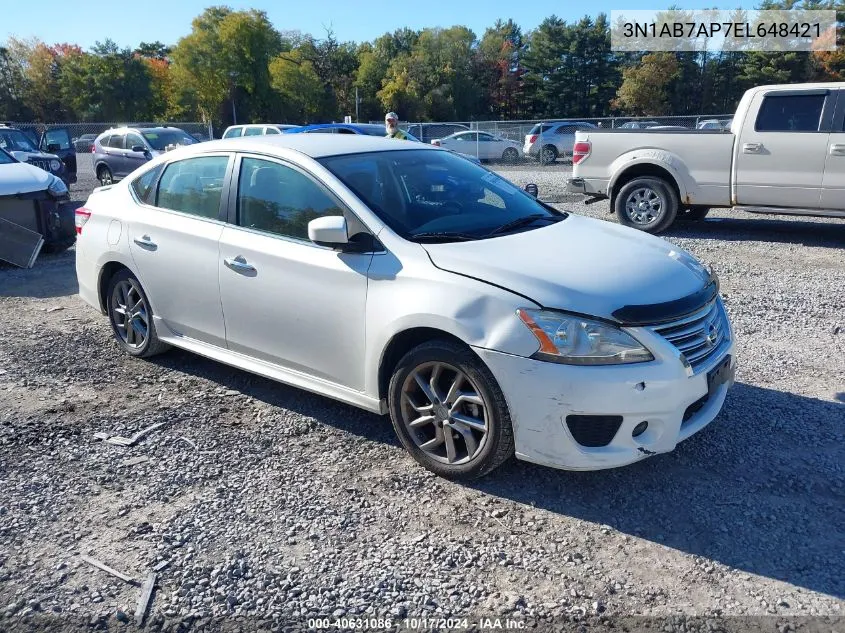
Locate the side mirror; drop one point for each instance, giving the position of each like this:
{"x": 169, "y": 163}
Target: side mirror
{"x": 532, "y": 189}
{"x": 329, "y": 230}
{"x": 139, "y": 148}
{"x": 53, "y": 147}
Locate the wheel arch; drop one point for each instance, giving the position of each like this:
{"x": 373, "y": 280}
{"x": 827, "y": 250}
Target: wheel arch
{"x": 651, "y": 168}
{"x": 403, "y": 342}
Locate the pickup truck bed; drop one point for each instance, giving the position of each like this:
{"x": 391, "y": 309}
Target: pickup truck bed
{"x": 784, "y": 153}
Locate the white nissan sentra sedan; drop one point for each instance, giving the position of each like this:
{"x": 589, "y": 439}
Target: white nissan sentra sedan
{"x": 409, "y": 281}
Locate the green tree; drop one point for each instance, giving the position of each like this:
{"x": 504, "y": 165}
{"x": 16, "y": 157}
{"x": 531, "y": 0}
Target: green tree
{"x": 299, "y": 89}
{"x": 644, "y": 89}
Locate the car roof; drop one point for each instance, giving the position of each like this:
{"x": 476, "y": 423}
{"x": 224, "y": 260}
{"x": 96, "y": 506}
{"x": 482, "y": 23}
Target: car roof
{"x": 330, "y": 126}
{"x": 124, "y": 129}
{"x": 313, "y": 145}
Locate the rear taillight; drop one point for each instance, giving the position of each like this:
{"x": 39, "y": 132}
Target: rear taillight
{"x": 436, "y": 142}
{"x": 532, "y": 138}
{"x": 82, "y": 216}
{"x": 93, "y": 149}
{"x": 580, "y": 151}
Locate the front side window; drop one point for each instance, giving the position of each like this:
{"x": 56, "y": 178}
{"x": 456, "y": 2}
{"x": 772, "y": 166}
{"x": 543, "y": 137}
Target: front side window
{"x": 233, "y": 132}
{"x": 790, "y": 113}
{"x": 133, "y": 140}
{"x": 271, "y": 130}
{"x": 252, "y": 131}
{"x": 280, "y": 200}
{"x": 58, "y": 137}
{"x": 434, "y": 194}
{"x": 193, "y": 185}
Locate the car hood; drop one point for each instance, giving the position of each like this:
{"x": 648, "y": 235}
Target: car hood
{"x": 25, "y": 156}
{"x": 17, "y": 178}
{"x": 579, "y": 264}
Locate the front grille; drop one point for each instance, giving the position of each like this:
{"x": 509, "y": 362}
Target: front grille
{"x": 700, "y": 335}
{"x": 43, "y": 164}
{"x": 593, "y": 430}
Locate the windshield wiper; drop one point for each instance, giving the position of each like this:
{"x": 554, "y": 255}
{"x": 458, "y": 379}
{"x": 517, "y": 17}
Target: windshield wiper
{"x": 524, "y": 221}
{"x": 443, "y": 236}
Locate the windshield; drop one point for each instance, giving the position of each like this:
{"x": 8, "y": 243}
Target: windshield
{"x": 437, "y": 194}
{"x": 5, "y": 158}
{"x": 15, "y": 141}
{"x": 160, "y": 140}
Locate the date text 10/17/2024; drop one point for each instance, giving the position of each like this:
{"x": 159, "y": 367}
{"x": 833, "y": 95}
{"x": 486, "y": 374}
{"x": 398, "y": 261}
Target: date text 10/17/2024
{"x": 413, "y": 624}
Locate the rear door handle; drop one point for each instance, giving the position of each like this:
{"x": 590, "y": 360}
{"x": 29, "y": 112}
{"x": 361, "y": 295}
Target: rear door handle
{"x": 239, "y": 264}
{"x": 837, "y": 149}
{"x": 752, "y": 148}
{"x": 146, "y": 242}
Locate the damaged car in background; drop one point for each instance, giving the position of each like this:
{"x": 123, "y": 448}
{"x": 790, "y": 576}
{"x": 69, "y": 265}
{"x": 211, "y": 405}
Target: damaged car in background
{"x": 35, "y": 212}
{"x": 51, "y": 151}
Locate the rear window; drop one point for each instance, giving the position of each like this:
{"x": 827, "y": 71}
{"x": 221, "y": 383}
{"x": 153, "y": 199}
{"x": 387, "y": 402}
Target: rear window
{"x": 143, "y": 185}
{"x": 540, "y": 128}
{"x": 790, "y": 113}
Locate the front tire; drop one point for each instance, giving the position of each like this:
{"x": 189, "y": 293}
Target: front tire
{"x": 448, "y": 411}
{"x": 647, "y": 203}
{"x": 510, "y": 155}
{"x": 131, "y": 316}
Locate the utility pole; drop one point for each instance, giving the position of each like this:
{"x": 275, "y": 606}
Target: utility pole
{"x": 357, "y": 101}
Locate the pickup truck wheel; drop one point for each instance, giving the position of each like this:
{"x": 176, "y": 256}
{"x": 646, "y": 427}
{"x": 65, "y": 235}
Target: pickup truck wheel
{"x": 647, "y": 203}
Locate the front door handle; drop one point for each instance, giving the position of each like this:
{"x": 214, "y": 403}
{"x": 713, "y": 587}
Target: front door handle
{"x": 145, "y": 242}
{"x": 239, "y": 264}
{"x": 752, "y": 148}
{"x": 837, "y": 149}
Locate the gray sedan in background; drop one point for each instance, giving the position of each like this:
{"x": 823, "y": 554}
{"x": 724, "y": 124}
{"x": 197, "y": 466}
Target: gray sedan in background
{"x": 482, "y": 145}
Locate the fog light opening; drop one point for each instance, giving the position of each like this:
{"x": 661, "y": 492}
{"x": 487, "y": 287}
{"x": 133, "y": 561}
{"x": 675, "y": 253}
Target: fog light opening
{"x": 639, "y": 429}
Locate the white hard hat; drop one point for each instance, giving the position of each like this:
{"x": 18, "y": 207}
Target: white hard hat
{"x": 391, "y": 116}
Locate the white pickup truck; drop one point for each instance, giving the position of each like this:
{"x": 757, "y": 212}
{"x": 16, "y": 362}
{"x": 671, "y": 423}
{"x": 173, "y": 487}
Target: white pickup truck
{"x": 784, "y": 153}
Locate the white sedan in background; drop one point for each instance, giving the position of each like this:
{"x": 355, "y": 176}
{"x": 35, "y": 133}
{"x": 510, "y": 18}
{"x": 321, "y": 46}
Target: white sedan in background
{"x": 406, "y": 280}
{"x": 482, "y": 145}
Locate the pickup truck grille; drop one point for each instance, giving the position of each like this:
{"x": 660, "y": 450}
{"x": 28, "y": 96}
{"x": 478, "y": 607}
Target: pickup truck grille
{"x": 43, "y": 164}
{"x": 699, "y": 336}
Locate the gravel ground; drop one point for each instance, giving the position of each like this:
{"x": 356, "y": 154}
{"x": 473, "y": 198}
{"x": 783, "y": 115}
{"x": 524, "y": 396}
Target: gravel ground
{"x": 270, "y": 505}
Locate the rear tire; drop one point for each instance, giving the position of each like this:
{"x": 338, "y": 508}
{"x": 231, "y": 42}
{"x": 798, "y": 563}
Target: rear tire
{"x": 131, "y": 316}
{"x": 548, "y": 154}
{"x": 647, "y": 203}
{"x": 105, "y": 177}
{"x": 449, "y": 412}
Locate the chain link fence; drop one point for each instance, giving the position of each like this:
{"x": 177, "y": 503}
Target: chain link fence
{"x": 546, "y": 141}
{"x": 83, "y": 134}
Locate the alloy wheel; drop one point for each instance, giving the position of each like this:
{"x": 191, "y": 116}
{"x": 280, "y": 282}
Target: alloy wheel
{"x": 644, "y": 206}
{"x": 444, "y": 413}
{"x": 105, "y": 177}
{"x": 130, "y": 314}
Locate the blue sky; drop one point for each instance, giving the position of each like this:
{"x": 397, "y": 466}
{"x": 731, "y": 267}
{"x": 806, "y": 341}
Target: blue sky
{"x": 84, "y": 22}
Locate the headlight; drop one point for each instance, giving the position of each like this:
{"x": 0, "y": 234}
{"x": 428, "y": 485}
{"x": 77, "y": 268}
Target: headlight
{"x": 574, "y": 340}
{"x": 57, "y": 188}
{"x": 55, "y": 165}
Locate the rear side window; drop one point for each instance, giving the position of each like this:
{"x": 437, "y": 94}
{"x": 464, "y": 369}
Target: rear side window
{"x": 143, "y": 185}
{"x": 193, "y": 185}
{"x": 540, "y": 128}
{"x": 790, "y": 113}
{"x": 115, "y": 141}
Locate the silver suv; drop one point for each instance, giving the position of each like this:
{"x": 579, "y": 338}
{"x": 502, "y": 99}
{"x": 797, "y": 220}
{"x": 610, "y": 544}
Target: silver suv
{"x": 548, "y": 141}
{"x": 120, "y": 151}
